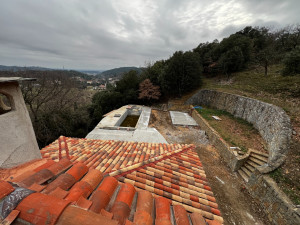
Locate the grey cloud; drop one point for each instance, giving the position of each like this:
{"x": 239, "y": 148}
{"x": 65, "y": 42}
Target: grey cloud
{"x": 104, "y": 34}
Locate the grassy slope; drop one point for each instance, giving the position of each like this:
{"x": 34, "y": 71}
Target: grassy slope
{"x": 274, "y": 89}
{"x": 235, "y": 131}
{"x": 278, "y": 90}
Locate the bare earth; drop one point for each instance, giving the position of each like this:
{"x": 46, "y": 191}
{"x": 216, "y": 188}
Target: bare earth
{"x": 236, "y": 205}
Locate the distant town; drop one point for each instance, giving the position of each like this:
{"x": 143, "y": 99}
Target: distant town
{"x": 99, "y": 84}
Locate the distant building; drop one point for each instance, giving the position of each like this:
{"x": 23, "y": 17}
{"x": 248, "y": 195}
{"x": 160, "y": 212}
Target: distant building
{"x": 102, "y": 87}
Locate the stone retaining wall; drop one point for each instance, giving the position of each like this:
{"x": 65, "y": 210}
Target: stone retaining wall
{"x": 278, "y": 207}
{"x": 271, "y": 121}
{"x": 216, "y": 140}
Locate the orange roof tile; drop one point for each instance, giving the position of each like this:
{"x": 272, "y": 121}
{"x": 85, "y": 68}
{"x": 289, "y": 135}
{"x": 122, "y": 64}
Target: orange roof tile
{"x": 116, "y": 181}
{"x": 5, "y": 189}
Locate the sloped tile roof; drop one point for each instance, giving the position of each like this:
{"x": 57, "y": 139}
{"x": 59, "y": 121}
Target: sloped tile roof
{"x": 108, "y": 156}
{"x": 114, "y": 182}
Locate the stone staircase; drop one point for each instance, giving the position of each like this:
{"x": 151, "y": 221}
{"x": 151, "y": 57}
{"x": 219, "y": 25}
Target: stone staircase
{"x": 254, "y": 160}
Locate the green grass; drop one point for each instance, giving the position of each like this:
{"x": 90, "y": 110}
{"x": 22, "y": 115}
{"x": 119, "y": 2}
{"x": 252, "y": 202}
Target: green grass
{"x": 276, "y": 89}
{"x": 247, "y": 128}
{"x": 279, "y": 178}
{"x": 207, "y": 114}
{"x": 254, "y": 80}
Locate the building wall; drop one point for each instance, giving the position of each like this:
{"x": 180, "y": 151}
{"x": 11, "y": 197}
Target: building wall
{"x": 17, "y": 139}
{"x": 271, "y": 121}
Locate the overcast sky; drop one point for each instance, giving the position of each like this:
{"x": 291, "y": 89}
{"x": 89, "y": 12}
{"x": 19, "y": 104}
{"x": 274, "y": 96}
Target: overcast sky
{"x": 104, "y": 34}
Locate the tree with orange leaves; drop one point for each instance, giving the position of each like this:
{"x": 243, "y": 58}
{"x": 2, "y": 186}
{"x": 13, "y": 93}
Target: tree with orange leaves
{"x": 148, "y": 91}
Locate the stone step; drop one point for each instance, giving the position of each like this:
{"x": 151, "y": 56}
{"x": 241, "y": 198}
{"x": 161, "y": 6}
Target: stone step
{"x": 252, "y": 164}
{"x": 243, "y": 175}
{"x": 257, "y": 161}
{"x": 249, "y": 167}
{"x": 261, "y": 158}
{"x": 259, "y": 153}
{"x": 241, "y": 152}
{"x": 245, "y": 170}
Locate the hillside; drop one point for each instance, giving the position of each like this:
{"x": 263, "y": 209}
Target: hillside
{"x": 35, "y": 72}
{"x": 22, "y": 68}
{"x": 117, "y": 72}
{"x": 91, "y": 72}
{"x": 278, "y": 90}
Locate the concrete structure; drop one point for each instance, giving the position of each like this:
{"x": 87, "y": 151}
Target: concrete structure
{"x": 17, "y": 139}
{"x": 116, "y": 117}
{"x": 150, "y": 135}
{"x": 184, "y": 119}
{"x": 109, "y": 127}
{"x": 271, "y": 121}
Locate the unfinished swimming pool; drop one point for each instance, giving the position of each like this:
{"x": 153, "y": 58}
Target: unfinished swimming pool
{"x": 130, "y": 121}
{"x": 129, "y": 117}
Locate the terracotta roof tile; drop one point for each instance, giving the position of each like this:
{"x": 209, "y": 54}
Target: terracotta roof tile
{"x": 118, "y": 182}
{"x": 5, "y": 188}
{"x": 75, "y": 215}
{"x": 38, "y": 208}
{"x": 180, "y": 215}
{"x": 163, "y": 211}
{"x": 198, "y": 219}
{"x": 11, "y": 217}
{"x": 103, "y": 194}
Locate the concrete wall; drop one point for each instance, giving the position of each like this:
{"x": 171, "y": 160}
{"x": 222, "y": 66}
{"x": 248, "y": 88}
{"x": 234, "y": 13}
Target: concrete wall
{"x": 17, "y": 139}
{"x": 271, "y": 121}
{"x": 122, "y": 118}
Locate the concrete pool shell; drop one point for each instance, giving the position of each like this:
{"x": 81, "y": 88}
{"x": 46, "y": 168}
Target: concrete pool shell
{"x": 109, "y": 127}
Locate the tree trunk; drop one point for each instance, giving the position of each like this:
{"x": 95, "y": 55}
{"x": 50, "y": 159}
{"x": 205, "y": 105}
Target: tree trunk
{"x": 266, "y": 68}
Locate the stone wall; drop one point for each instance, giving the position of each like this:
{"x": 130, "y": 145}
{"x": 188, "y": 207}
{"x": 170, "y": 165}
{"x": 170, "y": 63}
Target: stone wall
{"x": 17, "y": 139}
{"x": 215, "y": 139}
{"x": 234, "y": 161}
{"x": 271, "y": 121}
{"x": 278, "y": 207}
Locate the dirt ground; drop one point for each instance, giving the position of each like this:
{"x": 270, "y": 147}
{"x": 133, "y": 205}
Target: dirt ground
{"x": 176, "y": 134}
{"x": 236, "y": 205}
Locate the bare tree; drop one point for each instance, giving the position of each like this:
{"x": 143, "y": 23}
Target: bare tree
{"x": 55, "y": 104}
{"x": 51, "y": 92}
{"x": 149, "y": 91}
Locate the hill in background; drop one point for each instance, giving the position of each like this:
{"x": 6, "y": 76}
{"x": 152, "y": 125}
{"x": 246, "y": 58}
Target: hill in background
{"x": 22, "y": 68}
{"x": 118, "y": 72}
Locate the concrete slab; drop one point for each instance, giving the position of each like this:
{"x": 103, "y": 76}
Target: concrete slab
{"x": 110, "y": 119}
{"x": 103, "y": 134}
{"x": 150, "y": 135}
{"x": 144, "y": 118}
{"x": 184, "y": 119}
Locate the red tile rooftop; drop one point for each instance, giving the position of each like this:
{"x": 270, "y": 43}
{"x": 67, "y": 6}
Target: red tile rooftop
{"x": 110, "y": 182}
